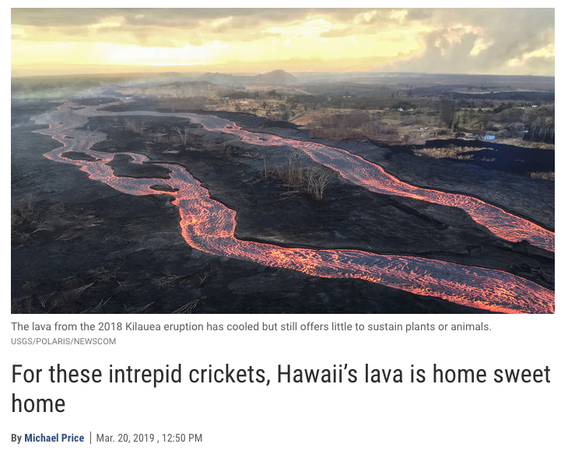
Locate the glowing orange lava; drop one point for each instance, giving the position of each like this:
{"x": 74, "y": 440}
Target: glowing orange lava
{"x": 208, "y": 225}
{"x": 359, "y": 171}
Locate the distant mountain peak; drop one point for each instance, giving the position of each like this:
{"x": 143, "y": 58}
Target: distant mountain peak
{"x": 277, "y": 76}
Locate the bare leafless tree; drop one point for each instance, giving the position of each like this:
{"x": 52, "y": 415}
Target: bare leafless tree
{"x": 316, "y": 182}
{"x": 264, "y": 171}
{"x": 182, "y": 133}
{"x": 292, "y": 173}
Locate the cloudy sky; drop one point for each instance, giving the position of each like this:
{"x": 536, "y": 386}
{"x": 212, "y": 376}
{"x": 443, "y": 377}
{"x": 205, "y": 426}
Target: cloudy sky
{"x": 475, "y": 41}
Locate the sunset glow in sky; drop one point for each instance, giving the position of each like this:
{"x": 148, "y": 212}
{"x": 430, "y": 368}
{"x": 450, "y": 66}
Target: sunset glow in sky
{"x": 473, "y": 41}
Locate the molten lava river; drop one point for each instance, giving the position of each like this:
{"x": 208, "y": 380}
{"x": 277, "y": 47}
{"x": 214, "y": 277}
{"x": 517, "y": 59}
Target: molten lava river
{"x": 209, "y": 226}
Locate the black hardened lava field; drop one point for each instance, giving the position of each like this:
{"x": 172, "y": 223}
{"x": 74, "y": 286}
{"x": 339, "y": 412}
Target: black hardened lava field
{"x": 280, "y": 200}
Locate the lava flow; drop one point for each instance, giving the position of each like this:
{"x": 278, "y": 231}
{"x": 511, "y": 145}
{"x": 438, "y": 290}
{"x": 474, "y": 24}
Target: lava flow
{"x": 209, "y": 226}
{"x": 359, "y": 171}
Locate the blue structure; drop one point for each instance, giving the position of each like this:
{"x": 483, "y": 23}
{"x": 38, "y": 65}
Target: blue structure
{"x": 489, "y": 136}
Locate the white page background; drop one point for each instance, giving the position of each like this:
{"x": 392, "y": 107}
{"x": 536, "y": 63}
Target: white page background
{"x": 304, "y": 423}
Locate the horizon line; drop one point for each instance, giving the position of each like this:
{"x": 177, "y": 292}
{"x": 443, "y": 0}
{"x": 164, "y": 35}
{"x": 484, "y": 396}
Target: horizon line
{"x": 152, "y": 70}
